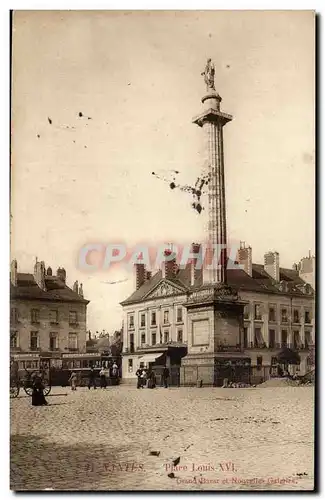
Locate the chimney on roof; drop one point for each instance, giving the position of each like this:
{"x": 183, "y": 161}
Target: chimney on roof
{"x": 49, "y": 271}
{"x": 75, "y": 286}
{"x": 13, "y": 272}
{"x": 244, "y": 258}
{"x": 169, "y": 266}
{"x": 61, "y": 274}
{"x": 81, "y": 292}
{"x": 140, "y": 275}
{"x": 196, "y": 265}
{"x": 307, "y": 270}
{"x": 272, "y": 265}
{"x": 39, "y": 274}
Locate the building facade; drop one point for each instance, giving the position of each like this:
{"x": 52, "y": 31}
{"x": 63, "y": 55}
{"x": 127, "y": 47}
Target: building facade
{"x": 47, "y": 318}
{"x": 230, "y": 322}
{"x": 279, "y": 312}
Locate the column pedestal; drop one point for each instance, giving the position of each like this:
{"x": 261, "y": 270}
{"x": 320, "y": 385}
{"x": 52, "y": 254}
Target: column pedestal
{"x": 215, "y": 322}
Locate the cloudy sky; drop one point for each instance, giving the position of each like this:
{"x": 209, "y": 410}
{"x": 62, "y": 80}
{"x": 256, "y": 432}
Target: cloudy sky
{"x": 137, "y": 75}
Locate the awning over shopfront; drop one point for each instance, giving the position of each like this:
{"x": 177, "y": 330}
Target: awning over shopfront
{"x": 150, "y": 358}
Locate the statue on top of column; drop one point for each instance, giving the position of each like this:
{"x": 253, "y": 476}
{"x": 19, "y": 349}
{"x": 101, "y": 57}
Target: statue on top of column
{"x": 208, "y": 74}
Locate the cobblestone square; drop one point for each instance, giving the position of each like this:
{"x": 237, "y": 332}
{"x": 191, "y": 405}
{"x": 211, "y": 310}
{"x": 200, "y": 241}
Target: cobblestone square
{"x": 246, "y": 439}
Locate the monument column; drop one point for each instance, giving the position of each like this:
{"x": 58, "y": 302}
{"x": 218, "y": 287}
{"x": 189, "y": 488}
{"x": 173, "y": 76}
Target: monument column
{"x": 212, "y": 120}
{"x": 215, "y": 314}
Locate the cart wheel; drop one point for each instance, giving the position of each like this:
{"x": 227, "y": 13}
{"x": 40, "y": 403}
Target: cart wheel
{"x": 47, "y": 389}
{"x": 28, "y": 384}
{"x": 14, "y": 391}
{"x": 28, "y": 390}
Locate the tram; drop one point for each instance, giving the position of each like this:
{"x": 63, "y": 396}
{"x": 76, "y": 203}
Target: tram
{"x": 57, "y": 367}
{"x": 81, "y": 364}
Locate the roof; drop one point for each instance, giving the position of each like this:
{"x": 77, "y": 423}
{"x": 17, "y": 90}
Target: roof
{"x": 260, "y": 281}
{"x": 56, "y": 290}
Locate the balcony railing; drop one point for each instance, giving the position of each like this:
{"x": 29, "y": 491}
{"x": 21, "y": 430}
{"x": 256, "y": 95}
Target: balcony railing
{"x": 229, "y": 348}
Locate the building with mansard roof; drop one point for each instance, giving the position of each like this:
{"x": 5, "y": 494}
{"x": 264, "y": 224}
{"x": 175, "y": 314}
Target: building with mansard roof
{"x": 47, "y": 318}
{"x": 279, "y": 312}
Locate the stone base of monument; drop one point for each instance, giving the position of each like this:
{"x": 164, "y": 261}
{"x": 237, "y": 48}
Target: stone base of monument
{"x": 213, "y": 369}
{"x": 215, "y": 324}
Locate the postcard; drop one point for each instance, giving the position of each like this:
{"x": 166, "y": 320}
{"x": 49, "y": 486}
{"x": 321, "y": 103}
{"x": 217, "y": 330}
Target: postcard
{"x": 162, "y": 228}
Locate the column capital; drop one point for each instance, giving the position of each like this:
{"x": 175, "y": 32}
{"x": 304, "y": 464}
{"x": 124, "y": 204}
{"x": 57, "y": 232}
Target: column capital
{"x": 212, "y": 116}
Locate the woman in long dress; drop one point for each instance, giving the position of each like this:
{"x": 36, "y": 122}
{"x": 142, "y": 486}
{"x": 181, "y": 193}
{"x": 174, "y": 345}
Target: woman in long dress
{"x": 38, "y": 398}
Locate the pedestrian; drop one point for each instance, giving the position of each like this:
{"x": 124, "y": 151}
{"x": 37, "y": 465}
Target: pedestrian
{"x": 138, "y": 374}
{"x": 165, "y": 377}
{"x": 114, "y": 370}
{"x": 144, "y": 377}
{"x": 91, "y": 381}
{"x": 151, "y": 379}
{"x": 103, "y": 381}
{"x": 38, "y": 398}
{"x": 73, "y": 381}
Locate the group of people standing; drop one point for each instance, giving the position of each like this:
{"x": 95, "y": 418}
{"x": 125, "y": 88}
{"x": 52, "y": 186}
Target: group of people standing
{"x": 112, "y": 372}
{"x": 146, "y": 378}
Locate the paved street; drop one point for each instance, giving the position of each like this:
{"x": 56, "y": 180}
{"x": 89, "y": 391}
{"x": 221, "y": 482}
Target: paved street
{"x": 101, "y": 440}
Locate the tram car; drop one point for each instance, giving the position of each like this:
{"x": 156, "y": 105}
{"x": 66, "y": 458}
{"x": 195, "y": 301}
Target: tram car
{"x": 57, "y": 369}
{"x": 81, "y": 364}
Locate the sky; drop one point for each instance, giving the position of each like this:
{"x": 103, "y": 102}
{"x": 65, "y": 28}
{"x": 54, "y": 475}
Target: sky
{"x": 137, "y": 75}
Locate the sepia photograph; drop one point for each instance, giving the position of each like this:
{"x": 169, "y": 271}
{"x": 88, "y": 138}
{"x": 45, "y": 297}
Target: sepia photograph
{"x": 162, "y": 250}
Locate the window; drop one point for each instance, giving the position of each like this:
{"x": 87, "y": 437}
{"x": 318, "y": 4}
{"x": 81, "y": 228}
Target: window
{"x": 131, "y": 342}
{"x": 166, "y": 317}
{"x": 296, "y": 340}
{"x": 274, "y": 360}
{"x": 259, "y": 362}
{"x": 307, "y": 317}
{"x": 284, "y": 316}
{"x": 179, "y": 315}
{"x": 131, "y": 321}
{"x": 179, "y": 335}
{"x": 143, "y": 320}
{"x": 73, "y": 341}
{"x": 307, "y": 339}
{"x": 246, "y": 312}
{"x": 13, "y": 315}
{"x": 257, "y": 311}
{"x": 153, "y": 338}
{"x": 34, "y": 341}
{"x": 284, "y": 338}
{"x": 166, "y": 336}
{"x": 245, "y": 337}
{"x": 296, "y": 318}
{"x": 272, "y": 339}
{"x": 35, "y": 315}
{"x": 153, "y": 319}
{"x": 54, "y": 317}
{"x": 72, "y": 318}
{"x": 143, "y": 338}
{"x": 130, "y": 365}
{"x": 272, "y": 314}
{"x": 53, "y": 341}
{"x": 258, "y": 338}
{"x": 13, "y": 340}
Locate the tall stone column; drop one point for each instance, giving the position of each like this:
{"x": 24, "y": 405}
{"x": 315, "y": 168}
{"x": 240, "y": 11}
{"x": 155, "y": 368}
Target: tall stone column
{"x": 215, "y": 315}
{"x": 212, "y": 120}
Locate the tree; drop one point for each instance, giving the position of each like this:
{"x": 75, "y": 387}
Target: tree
{"x": 288, "y": 357}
